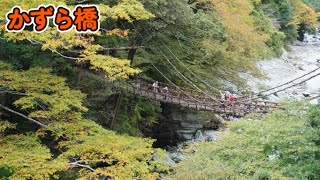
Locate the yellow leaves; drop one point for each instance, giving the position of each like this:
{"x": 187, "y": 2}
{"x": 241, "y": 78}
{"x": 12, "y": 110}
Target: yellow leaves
{"x": 6, "y": 5}
{"x": 120, "y": 157}
{"x": 4, "y": 66}
{"x": 304, "y": 14}
{"x": 83, "y": 45}
{"x": 2, "y": 27}
{"x": 125, "y": 9}
{"x": 26, "y": 158}
{"x": 130, "y": 10}
{"x": 5, "y": 125}
{"x": 115, "y": 67}
{"x": 243, "y": 41}
{"x": 256, "y": 2}
{"x": 46, "y": 95}
{"x": 56, "y": 42}
{"x": 81, "y": 133}
{"x": 118, "y": 32}
{"x": 241, "y": 33}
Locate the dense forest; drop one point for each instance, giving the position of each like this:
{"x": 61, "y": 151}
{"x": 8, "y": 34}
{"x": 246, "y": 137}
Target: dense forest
{"x": 65, "y": 112}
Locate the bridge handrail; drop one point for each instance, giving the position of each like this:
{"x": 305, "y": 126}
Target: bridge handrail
{"x": 240, "y": 105}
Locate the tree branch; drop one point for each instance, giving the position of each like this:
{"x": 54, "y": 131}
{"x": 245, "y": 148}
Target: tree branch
{"x": 13, "y": 92}
{"x": 32, "y": 41}
{"x": 30, "y": 119}
{"x": 76, "y": 164}
{"x": 78, "y": 2}
{"x": 22, "y": 115}
{"x": 106, "y": 50}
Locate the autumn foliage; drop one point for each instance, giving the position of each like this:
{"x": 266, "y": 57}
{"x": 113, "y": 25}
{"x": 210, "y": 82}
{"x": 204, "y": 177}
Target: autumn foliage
{"x": 64, "y": 109}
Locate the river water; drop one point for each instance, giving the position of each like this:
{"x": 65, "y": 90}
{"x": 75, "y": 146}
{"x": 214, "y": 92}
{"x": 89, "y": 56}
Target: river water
{"x": 292, "y": 64}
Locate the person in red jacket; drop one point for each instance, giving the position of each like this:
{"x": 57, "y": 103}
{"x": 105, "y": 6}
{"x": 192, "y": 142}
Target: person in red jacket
{"x": 231, "y": 101}
{"x": 231, "y": 98}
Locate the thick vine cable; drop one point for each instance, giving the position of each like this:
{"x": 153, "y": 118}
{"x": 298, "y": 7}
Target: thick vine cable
{"x": 267, "y": 90}
{"x": 207, "y": 84}
{"x": 308, "y": 79}
{"x": 157, "y": 69}
{"x": 184, "y": 77}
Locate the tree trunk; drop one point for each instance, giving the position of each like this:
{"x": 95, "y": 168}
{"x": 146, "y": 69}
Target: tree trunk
{"x": 118, "y": 104}
{"x": 131, "y": 54}
{"x": 301, "y": 32}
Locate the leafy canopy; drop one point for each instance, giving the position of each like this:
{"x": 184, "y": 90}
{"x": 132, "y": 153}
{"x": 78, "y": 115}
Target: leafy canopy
{"x": 71, "y": 146}
{"x": 84, "y": 44}
{"x": 70, "y": 139}
{"x": 47, "y": 96}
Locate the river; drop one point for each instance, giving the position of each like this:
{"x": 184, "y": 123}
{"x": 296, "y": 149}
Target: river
{"x": 301, "y": 59}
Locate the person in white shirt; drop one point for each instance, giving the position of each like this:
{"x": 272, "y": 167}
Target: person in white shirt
{"x": 165, "y": 92}
{"x": 155, "y": 86}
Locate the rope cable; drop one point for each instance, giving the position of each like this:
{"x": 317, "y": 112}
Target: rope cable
{"x": 292, "y": 85}
{"x": 157, "y": 69}
{"x": 190, "y": 82}
{"x": 185, "y": 79}
{"x": 183, "y": 64}
{"x": 208, "y": 85}
{"x": 290, "y": 81}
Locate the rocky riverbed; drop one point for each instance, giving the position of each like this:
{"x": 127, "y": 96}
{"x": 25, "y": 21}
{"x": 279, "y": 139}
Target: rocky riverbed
{"x": 302, "y": 58}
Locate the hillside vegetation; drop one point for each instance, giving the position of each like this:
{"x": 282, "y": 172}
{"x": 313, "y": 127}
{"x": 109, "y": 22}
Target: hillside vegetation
{"x": 58, "y": 91}
{"x": 280, "y": 145}
{"x": 314, "y": 3}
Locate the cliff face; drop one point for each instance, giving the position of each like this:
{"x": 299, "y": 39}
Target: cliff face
{"x": 178, "y": 124}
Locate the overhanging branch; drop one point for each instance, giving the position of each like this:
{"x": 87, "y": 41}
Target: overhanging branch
{"x": 13, "y": 92}
{"x": 77, "y": 164}
{"x": 22, "y": 115}
{"x": 30, "y": 119}
{"x": 106, "y": 50}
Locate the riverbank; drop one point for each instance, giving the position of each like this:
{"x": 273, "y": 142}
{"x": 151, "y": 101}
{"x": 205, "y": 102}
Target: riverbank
{"x": 301, "y": 59}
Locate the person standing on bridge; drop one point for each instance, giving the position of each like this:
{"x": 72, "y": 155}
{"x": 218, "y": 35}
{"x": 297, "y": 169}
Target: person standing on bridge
{"x": 231, "y": 98}
{"x": 165, "y": 92}
{"x": 226, "y": 96}
{"x": 226, "y": 100}
{"x": 222, "y": 96}
{"x": 155, "y": 86}
{"x": 231, "y": 101}
{"x": 249, "y": 103}
{"x": 222, "y": 100}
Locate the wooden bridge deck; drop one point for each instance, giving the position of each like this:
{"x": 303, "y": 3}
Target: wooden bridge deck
{"x": 201, "y": 101}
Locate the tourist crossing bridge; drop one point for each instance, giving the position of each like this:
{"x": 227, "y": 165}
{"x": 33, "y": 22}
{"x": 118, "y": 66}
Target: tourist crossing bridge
{"x": 200, "y": 100}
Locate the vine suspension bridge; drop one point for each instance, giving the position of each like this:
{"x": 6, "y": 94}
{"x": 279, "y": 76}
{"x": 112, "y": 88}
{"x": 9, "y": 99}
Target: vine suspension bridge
{"x": 200, "y": 100}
